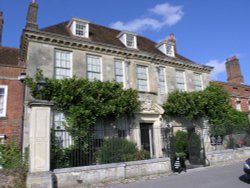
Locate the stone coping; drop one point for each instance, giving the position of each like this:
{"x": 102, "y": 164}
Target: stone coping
{"x": 112, "y": 165}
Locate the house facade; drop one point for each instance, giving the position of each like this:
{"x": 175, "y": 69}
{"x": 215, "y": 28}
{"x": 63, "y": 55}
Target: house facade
{"x": 11, "y": 92}
{"x": 84, "y": 49}
{"x": 238, "y": 91}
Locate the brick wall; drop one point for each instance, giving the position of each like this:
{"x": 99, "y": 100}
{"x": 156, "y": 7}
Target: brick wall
{"x": 239, "y": 93}
{"x": 11, "y": 124}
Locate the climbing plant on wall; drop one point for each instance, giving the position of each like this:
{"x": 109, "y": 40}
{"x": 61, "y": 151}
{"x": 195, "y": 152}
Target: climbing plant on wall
{"x": 211, "y": 104}
{"x": 84, "y": 102}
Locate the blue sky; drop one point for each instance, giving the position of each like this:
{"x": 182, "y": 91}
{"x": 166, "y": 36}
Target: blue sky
{"x": 207, "y": 31}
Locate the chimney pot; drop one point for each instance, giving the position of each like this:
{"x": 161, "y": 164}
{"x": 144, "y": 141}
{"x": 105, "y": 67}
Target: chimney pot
{"x": 172, "y": 37}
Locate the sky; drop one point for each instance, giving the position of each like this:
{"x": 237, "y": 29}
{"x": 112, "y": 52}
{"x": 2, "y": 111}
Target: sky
{"x": 206, "y": 31}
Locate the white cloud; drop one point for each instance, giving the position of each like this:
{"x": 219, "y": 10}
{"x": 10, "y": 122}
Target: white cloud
{"x": 219, "y": 68}
{"x": 168, "y": 15}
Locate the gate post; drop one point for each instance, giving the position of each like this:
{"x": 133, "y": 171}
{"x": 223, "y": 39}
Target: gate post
{"x": 39, "y": 145}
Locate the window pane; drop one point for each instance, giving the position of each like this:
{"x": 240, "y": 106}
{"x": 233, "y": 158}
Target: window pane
{"x": 142, "y": 78}
{"x": 93, "y": 67}
{"x": 197, "y": 82}
{"x": 63, "y": 64}
{"x": 119, "y": 71}
{"x": 180, "y": 81}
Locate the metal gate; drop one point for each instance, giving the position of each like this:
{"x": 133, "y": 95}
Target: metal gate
{"x": 195, "y": 152}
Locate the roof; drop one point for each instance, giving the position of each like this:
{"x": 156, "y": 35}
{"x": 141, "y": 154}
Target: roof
{"x": 9, "y": 56}
{"x": 235, "y": 89}
{"x": 106, "y": 35}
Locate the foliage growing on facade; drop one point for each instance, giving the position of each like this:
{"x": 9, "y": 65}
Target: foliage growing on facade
{"x": 84, "y": 101}
{"x": 211, "y": 104}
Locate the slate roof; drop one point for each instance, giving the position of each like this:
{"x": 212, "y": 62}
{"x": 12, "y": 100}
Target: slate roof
{"x": 106, "y": 35}
{"x": 9, "y": 56}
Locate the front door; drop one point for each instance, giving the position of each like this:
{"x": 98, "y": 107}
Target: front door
{"x": 147, "y": 137}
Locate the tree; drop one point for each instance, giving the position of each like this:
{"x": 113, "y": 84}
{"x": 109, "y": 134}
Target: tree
{"x": 211, "y": 104}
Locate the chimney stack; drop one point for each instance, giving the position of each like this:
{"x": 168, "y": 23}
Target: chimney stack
{"x": 1, "y": 27}
{"x": 233, "y": 71}
{"x": 31, "y": 19}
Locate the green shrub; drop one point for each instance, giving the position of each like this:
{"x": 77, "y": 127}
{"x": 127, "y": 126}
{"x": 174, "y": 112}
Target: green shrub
{"x": 181, "y": 143}
{"x": 11, "y": 156}
{"x": 116, "y": 150}
{"x": 14, "y": 165}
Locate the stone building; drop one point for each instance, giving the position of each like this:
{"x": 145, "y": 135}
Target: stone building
{"x": 11, "y": 91}
{"x": 238, "y": 91}
{"x": 84, "y": 49}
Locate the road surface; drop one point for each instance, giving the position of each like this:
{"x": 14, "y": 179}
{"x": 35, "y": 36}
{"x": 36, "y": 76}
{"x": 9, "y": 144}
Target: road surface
{"x": 229, "y": 176}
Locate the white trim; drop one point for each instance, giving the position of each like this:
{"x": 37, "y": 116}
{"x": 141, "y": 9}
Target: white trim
{"x": 164, "y": 76}
{"x": 101, "y": 66}
{"x": 5, "y": 87}
{"x": 123, "y": 71}
{"x": 71, "y": 62}
{"x": 200, "y": 80}
{"x": 146, "y": 67}
{"x": 184, "y": 79}
{"x": 73, "y": 23}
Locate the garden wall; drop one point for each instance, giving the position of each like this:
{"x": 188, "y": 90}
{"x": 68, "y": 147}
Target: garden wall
{"x": 228, "y": 156}
{"x": 89, "y": 175}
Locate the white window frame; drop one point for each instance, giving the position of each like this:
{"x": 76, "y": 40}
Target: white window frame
{"x": 131, "y": 41}
{"x": 120, "y": 73}
{"x": 140, "y": 78}
{"x": 162, "y": 80}
{"x": 197, "y": 81}
{"x": 60, "y": 131}
{"x": 177, "y": 79}
{"x": 169, "y": 50}
{"x": 4, "y": 102}
{"x": 62, "y": 62}
{"x": 238, "y": 105}
{"x": 77, "y": 31}
{"x": 90, "y": 68}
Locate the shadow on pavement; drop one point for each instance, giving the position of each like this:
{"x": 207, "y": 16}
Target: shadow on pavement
{"x": 244, "y": 179}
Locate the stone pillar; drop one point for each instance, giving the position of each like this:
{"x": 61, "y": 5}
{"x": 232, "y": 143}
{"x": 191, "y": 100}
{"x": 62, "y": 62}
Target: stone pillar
{"x": 39, "y": 145}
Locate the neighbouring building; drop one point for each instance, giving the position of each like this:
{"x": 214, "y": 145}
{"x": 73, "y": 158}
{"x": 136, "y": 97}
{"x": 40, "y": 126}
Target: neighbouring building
{"x": 84, "y": 49}
{"x": 238, "y": 91}
{"x": 11, "y": 91}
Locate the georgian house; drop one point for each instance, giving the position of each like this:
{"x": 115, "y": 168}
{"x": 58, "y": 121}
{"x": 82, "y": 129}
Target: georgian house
{"x": 80, "y": 48}
{"x": 11, "y": 92}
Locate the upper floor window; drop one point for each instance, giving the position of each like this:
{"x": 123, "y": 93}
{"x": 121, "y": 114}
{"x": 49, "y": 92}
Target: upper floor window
{"x": 249, "y": 105}
{"x": 119, "y": 71}
{"x": 94, "y": 67}
{"x": 128, "y": 39}
{"x": 169, "y": 50}
{"x": 3, "y": 100}
{"x": 162, "y": 79}
{"x": 63, "y": 64}
{"x": 180, "y": 80}
{"x": 197, "y": 81}
{"x": 79, "y": 27}
{"x": 238, "y": 105}
{"x": 142, "y": 77}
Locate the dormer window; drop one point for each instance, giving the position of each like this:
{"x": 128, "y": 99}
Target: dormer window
{"x": 128, "y": 39}
{"x": 79, "y": 27}
{"x": 167, "y": 46}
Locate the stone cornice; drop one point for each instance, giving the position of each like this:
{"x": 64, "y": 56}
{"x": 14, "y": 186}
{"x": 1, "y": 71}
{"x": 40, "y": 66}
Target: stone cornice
{"x": 83, "y": 44}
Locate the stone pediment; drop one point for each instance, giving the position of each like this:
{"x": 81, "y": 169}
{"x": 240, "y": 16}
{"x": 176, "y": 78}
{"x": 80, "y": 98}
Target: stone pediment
{"x": 148, "y": 106}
